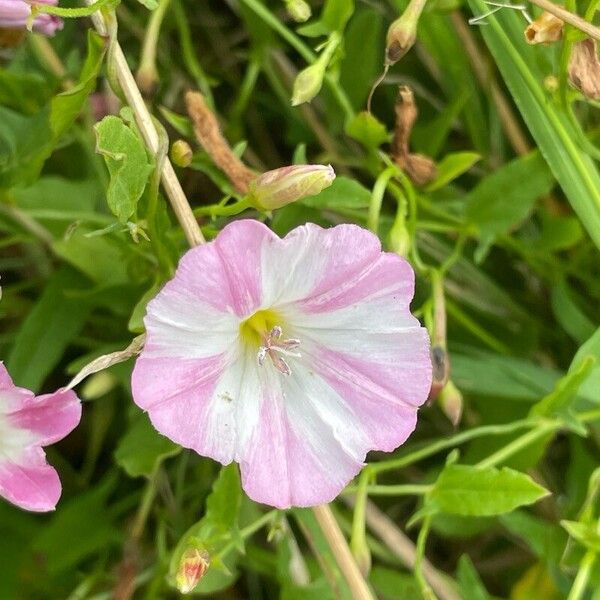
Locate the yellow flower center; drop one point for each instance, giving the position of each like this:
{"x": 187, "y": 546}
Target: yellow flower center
{"x": 255, "y": 330}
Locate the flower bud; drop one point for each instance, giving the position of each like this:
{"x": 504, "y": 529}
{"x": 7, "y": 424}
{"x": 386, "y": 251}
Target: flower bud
{"x": 399, "y": 238}
{"x": 181, "y": 153}
{"x": 451, "y": 402}
{"x": 401, "y": 37}
{"x": 308, "y": 83}
{"x": 192, "y": 566}
{"x": 279, "y": 187}
{"x": 299, "y": 10}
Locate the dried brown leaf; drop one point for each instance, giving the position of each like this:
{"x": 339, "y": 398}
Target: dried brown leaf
{"x": 584, "y": 68}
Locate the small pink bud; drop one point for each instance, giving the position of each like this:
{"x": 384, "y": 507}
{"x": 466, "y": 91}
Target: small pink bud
{"x": 279, "y": 187}
{"x": 15, "y": 14}
{"x": 192, "y": 566}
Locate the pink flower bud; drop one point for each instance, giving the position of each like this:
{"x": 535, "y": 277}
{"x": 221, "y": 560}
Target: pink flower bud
{"x": 279, "y": 187}
{"x": 192, "y": 566}
{"x": 14, "y": 14}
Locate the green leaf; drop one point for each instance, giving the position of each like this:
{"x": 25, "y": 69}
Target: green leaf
{"x": 361, "y": 63}
{"x": 101, "y": 258}
{"x": 470, "y": 584}
{"x": 149, "y": 4}
{"x": 343, "y": 193}
{"x": 473, "y": 491}
{"x": 544, "y": 538}
{"x": 142, "y": 448}
{"x": 223, "y": 504}
{"x": 128, "y": 165}
{"x": 558, "y": 233}
{"x": 26, "y": 142}
{"x": 590, "y": 388}
{"x": 336, "y": 13}
{"x": 80, "y": 528}
{"x": 585, "y": 533}
{"x": 393, "y": 585}
{"x": 367, "y": 130}
{"x": 23, "y": 92}
{"x": 560, "y": 399}
{"x": 575, "y": 171}
{"x": 47, "y": 331}
{"x": 503, "y": 199}
{"x": 492, "y": 375}
{"x": 573, "y": 320}
{"x": 215, "y": 532}
{"x": 452, "y": 166}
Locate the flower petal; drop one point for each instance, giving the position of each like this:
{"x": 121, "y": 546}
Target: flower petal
{"x": 30, "y": 483}
{"x": 51, "y": 416}
{"x": 311, "y": 260}
{"x": 199, "y": 403}
{"x": 305, "y": 448}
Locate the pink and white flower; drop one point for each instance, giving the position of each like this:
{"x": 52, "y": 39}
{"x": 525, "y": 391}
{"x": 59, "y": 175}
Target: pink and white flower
{"x": 293, "y": 357}
{"x": 14, "y": 14}
{"x": 28, "y": 422}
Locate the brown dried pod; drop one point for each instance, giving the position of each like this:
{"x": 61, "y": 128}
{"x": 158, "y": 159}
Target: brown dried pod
{"x": 584, "y": 68}
{"x": 421, "y": 169}
{"x": 547, "y": 28}
{"x": 208, "y": 133}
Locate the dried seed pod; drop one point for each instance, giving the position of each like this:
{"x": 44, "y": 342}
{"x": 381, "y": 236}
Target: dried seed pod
{"x": 419, "y": 168}
{"x": 584, "y": 68}
{"x": 546, "y": 29}
{"x": 401, "y": 37}
{"x": 210, "y": 137}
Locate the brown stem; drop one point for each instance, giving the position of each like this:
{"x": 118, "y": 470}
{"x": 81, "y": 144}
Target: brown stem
{"x": 339, "y": 546}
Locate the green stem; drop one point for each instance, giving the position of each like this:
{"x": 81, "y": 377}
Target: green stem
{"x": 377, "y": 198}
{"x": 358, "y": 539}
{"x": 84, "y": 11}
{"x": 147, "y": 75}
{"x": 216, "y": 210}
{"x": 392, "y": 490}
{"x": 519, "y": 444}
{"x": 144, "y": 508}
{"x": 188, "y": 54}
{"x": 583, "y": 576}
{"x": 247, "y": 531}
{"x": 452, "y": 442}
{"x": 426, "y": 590}
{"x": 261, "y": 11}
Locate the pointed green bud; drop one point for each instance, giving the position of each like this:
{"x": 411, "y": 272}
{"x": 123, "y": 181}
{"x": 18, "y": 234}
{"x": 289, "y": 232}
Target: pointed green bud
{"x": 279, "y": 187}
{"x": 451, "y": 402}
{"x": 299, "y": 10}
{"x": 192, "y": 566}
{"x": 308, "y": 83}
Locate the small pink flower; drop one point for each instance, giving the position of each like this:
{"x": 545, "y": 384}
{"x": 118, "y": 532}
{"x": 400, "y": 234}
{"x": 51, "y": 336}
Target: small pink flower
{"x": 293, "y": 357}
{"x": 14, "y": 14}
{"x": 28, "y": 422}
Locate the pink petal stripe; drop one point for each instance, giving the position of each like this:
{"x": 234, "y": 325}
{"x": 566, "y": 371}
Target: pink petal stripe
{"x": 51, "y": 416}
{"x": 32, "y": 484}
{"x": 282, "y": 469}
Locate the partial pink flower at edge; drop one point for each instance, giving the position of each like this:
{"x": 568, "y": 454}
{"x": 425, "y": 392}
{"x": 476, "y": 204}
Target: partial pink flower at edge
{"x": 293, "y": 357}
{"x": 27, "y": 423}
{"x": 15, "y": 13}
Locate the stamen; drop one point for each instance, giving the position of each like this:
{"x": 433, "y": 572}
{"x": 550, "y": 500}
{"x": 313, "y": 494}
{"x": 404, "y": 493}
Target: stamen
{"x": 274, "y": 347}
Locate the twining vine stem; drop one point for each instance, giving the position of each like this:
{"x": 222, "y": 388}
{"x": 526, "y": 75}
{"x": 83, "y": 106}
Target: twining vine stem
{"x": 183, "y": 211}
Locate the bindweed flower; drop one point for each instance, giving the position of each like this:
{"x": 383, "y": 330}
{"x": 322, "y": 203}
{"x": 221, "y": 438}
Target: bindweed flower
{"x": 279, "y": 187}
{"x": 15, "y": 14}
{"x": 28, "y": 422}
{"x": 293, "y": 357}
{"x": 192, "y": 566}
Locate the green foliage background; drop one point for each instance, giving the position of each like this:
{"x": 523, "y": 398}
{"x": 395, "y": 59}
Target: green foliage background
{"x": 505, "y": 504}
